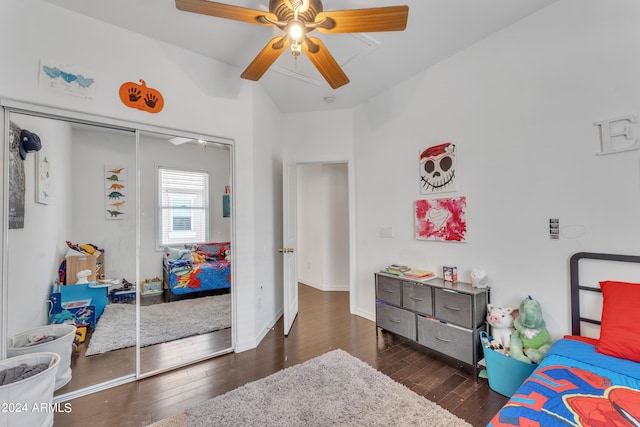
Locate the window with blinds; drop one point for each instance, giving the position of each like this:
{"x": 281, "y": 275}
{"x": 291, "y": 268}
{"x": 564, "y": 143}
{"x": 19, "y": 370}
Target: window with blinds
{"x": 183, "y": 206}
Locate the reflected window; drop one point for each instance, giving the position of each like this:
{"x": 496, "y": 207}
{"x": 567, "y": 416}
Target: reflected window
{"x": 183, "y": 209}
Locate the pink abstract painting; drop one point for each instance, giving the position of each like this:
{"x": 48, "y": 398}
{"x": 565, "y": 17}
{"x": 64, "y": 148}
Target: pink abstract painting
{"x": 441, "y": 219}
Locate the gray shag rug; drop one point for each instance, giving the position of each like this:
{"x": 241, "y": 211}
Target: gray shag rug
{"x": 335, "y": 389}
{"x": 159, "y": 322}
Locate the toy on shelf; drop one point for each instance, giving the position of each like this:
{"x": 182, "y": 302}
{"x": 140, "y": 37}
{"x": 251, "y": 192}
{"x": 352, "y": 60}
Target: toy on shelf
{"x": 125, "y": 292}
{"x": 450, "y": 274}
{"x": 151, "y": 286}
{"x": 82, "y": 276}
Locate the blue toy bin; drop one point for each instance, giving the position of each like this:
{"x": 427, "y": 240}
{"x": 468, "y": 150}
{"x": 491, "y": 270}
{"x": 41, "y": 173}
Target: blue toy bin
{"x": 505, "y": 373}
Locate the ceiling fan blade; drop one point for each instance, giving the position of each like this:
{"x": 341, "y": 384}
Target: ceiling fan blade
{"x": 392, "y": 18}
{"x": 325, "y": 63}
{"x": 226, "y": 11}
{"x": 265, "y": 58}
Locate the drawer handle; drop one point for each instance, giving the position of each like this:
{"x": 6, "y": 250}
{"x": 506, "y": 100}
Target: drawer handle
{"x": 389, "y": 291}
{"x": 452, "y": 308}
{"x": 391, "y": 319}
{"x": 417, "y": 299}
{"x": 442, "y": 339}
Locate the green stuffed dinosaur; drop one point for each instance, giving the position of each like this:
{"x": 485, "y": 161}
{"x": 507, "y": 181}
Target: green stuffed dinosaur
{"x": 530, "y": 341}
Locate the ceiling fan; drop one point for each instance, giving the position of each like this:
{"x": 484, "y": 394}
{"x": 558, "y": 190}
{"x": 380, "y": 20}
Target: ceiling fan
{"x": 297, "y": 18}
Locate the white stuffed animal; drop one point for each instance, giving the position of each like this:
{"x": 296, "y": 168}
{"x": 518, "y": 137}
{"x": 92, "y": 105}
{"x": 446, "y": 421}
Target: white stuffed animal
{"x": 501, "y": 321}
{"x": 82, "y": 276}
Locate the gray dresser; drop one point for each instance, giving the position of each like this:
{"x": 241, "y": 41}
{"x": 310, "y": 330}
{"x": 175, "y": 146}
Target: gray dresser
{"x": 443, "y": 316}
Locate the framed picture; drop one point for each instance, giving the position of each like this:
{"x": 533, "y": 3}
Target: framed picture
{"x": 43, "y": 178}
{"x": 115, "y": 191}
{"x": 226, "y": 202}
{"x": 441, "y": 219}
{"x": 438, "y": 168}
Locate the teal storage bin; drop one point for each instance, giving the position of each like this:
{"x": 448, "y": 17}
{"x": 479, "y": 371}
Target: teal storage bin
{"x": 505, "y": 373}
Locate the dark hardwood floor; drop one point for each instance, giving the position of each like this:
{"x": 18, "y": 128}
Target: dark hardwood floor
{"x": 323, "y": 324}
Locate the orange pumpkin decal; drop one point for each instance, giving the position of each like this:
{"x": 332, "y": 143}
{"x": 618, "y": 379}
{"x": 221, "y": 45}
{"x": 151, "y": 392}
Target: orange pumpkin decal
{"x": 141, "y": 97}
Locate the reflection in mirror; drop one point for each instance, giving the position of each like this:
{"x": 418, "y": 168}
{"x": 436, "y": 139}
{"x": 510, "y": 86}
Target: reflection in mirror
{"x": 185, "y": 247}
{"x": 71, "y": 245}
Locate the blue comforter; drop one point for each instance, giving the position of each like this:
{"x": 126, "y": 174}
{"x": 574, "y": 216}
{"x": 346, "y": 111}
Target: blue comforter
{"x": 201, "y": 277}
{"x": 575, "y": 386}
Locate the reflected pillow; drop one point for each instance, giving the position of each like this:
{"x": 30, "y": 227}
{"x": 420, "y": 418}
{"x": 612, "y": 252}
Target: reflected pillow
{"x": 620, "y": 329}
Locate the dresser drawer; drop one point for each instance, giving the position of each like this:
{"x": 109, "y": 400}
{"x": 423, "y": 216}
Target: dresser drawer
{"x": 396, "y": 320}
{"x": 417, "y": 298}
{"x": 447, "y": 339}
{"x": 453, "y": 307}
{"x": 389, "y": 290}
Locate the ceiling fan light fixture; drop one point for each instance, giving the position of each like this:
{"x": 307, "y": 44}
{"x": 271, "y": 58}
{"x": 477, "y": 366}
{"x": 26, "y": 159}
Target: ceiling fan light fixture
{"x": 295, "y": 30}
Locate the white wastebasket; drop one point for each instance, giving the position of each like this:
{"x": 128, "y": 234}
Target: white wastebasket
{"x": 63, "y": 346}
{"x": 28, "y": 402}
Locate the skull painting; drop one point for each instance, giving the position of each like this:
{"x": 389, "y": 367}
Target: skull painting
{"x": 438, "y": 168}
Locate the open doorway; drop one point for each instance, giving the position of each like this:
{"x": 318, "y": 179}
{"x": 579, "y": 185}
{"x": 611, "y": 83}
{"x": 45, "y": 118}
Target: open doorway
{"x": 323, "y": 226}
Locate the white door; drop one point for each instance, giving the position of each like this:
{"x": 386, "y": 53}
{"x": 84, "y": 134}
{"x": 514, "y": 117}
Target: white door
{"x": 289, "y": 242}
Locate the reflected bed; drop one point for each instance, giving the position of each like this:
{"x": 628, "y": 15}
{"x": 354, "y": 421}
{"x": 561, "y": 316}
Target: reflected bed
{"x": 212, "y": 276}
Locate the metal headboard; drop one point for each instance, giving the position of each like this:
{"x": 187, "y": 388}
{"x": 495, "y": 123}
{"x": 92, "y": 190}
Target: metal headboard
{"x": 576, "y": 287}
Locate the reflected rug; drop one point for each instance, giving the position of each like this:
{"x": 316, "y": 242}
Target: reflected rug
{"x": 159, "y": 322}
{"x": 333, "y": 389}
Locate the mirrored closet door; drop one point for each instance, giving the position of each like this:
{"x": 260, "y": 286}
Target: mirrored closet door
{"x": 68, "y": 249}
{"x": 185, "y": 245}
{"x": 125, "y": 234}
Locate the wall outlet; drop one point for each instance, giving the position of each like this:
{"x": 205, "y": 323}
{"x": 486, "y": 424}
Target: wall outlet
{"x": 386, "y": 232}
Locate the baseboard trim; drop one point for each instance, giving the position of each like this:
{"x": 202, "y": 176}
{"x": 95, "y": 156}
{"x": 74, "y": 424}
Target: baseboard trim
{"x": 320, "y": 287}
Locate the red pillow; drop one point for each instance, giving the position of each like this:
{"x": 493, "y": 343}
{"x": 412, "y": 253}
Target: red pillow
{"x": 620, "y": 329}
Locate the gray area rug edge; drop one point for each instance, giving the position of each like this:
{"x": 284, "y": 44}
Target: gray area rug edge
{"x": 159, "y": 322}
{"x": 353, "y": 394}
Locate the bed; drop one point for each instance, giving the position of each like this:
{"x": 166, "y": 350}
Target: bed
{"x": 587, "y": 381}
{"x": 209, "y": 274}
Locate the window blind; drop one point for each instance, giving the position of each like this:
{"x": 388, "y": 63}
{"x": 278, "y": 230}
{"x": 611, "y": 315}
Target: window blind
{"x": 183, "y": 206}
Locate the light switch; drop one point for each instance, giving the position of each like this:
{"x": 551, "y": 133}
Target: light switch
{"x": 554, "y": 228}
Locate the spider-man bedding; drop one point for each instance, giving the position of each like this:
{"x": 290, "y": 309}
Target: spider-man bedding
{"x": 213, "y": 274}
{"x": 575, "y": 386}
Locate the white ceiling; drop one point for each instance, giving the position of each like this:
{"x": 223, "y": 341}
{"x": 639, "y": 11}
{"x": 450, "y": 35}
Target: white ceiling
{"x": 373, "y": 62}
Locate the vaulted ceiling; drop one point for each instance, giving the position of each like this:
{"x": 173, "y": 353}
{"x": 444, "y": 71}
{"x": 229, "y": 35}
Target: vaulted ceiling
{"x": 374, "y": 62}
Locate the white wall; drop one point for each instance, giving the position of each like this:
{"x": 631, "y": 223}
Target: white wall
{"x": 521, "y": 107}
{"x": 310, "y": 224}
{"x": 35, "y": 251}
{"x": 323, "y": 226}
{"x": 336, "y": 213}
{"x": 268, "y": 299}
{"x": 201, "y": 96}
{"x": 94, "y": 148}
